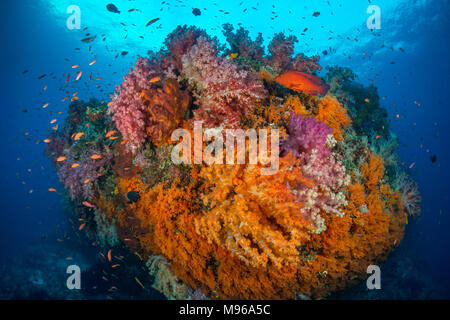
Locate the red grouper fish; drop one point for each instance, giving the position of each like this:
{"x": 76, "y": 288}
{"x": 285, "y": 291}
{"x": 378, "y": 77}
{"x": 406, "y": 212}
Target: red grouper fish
{"x": 300, "y": 81}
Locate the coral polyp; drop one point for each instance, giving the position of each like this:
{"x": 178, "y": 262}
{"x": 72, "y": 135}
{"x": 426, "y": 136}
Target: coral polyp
{"x": 228, "y": 231}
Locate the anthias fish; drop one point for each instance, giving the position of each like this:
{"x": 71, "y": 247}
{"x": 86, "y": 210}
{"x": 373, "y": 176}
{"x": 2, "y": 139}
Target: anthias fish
{"x": 302, "y": 82}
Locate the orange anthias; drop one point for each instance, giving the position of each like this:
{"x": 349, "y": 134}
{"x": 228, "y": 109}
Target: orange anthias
{"x": 300, "y": 81}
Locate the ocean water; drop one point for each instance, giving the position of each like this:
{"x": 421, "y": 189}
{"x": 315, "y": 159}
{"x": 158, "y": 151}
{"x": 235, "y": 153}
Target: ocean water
{"x": 40, "y": 236}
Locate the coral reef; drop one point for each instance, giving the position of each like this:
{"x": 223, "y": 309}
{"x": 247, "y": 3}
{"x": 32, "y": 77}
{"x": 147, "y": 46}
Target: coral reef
{"x": 337, "y": 202}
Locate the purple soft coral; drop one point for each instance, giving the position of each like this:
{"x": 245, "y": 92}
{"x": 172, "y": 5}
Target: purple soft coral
{"x": 306, "y": 135}
{"x": 308, "y": 141}
{"x": 80, "y": 176}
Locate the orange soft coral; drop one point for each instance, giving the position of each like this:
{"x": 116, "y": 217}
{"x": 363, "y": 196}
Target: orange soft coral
{"x": 368, "y": 231}
{"x": 334, "y": 115}
{"x": 166, "y": 107}
{"x": 214, "y": 235}
{"x": 373, "y": 170}
{"x": 255, "y": 217}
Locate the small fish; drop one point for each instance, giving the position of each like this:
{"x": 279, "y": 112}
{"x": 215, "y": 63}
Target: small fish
{"x": 53, "y": 121}
{"x": 89, "y": 39}
{"x": 110, "y": 133}
{"x": 52, "y": 189}
{"x": 79, "y": 75}
{"x": 412, "y": 165}
{"x": 42, "y": 76}
{"x": 87, "y": 180}
{"x": 75, "y": 66}
{"x": 75, "y": 165}
{"x": 124, "y": 53}
{"x": 112, "y": 8}
{"x": 47, "y": 140}
{"x": 96, "y": 156}
{"x": 62, "y": 158}
{"x": 196, "y": 12}
{"x": 92, "y": 62}
{"x": 233, "y": 55}
{"x": 316, "y": 14}
{"x": 115, "y": 265}
{"x": 367, "y": 100}
{"x": 109, "y": 255}
{"x": 110, "y": 103}
{"x": 87, "y": 204}
{"x": 81, "y": 226}
{"x": 433, "y": 158}
{"x": 45, "y": 105}
{"x": 154, "y": 79}
{"x": 151, "y": 22}
{"x": 139, "y": 282}
{"x": 78, "y": 136}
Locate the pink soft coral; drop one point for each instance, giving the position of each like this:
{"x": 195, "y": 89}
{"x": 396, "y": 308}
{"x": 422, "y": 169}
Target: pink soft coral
{"x": 224, "y": 93}
{"x": 128, "y": 109}
{"x": 302, "y": 63}
{"x": 281, "y": 49}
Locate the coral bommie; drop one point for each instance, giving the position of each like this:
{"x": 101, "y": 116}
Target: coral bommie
{"x": 227, "y": 231}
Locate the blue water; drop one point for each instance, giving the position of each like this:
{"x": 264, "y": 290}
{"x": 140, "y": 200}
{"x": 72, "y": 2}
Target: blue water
{"x": 34, "y": 37}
